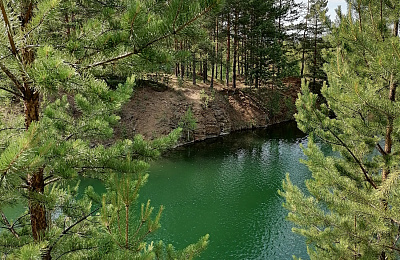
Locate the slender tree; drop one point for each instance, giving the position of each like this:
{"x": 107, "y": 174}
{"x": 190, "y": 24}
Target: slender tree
{"x": 314, "y": 44}
{"x": 235, "y": 47}
{"x": 228, "y": 48}
{"x": 305, "y": 31}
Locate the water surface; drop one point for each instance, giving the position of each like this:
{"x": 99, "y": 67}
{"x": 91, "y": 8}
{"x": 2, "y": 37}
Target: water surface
{"x": 227, "y": 187}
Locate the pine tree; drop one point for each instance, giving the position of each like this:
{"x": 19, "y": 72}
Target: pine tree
{"x": 54, "y": 57}
{"x": 351, "y": 208}
{"x": 313, "y": 43}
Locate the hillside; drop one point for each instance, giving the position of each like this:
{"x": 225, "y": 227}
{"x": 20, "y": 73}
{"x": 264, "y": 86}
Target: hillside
{"x": 155, "y": 110}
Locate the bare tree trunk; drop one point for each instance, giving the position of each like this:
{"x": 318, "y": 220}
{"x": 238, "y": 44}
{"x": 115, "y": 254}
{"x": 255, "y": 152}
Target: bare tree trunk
{"x": 212, "y": 62}
{"x": 239, "y": 61}
{"x": 194, "y": 67}
{"x": 182, "y": 63}
{"x": 228, "y": 50}
{"x": 216, "y": 51}
{"x": 396, "y": 28}
{"x": 235, "y": 41}
{"x": 245, "y": 65}
{"x": 220, "y": 74}
{"x": 188, "y": 68}
{"x": 304, "y": 40}
{"x": 315, "y": 52}
{"x": 205, "y": 71}
{"x": 176, "y": 64}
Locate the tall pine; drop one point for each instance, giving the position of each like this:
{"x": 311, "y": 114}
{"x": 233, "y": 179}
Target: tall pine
{"x": 54, "y": 56}
{"x": 351, "y": 208}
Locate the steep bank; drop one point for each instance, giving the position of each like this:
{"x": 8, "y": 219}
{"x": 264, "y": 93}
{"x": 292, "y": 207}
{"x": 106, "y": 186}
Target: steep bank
{"x": 155, "y": 111}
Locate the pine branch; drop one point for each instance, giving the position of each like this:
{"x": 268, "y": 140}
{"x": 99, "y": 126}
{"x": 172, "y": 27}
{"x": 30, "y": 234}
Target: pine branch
{"x": 393, "y": 248}
{"x": 365, "y": 172}
{"x": 8, "y": 28}
{"x": 11, "y": 128}
{"x": 134, "y": 19}
{"x": 9, "y": 227}
{"x": 380, "y": 149}
{"x": 49, "y": 248}
{"x": 112, "y": 237}
{"x": 76, "y": 249}
{"x": 110, "y": 60}
{"x": 52, "y": 180}
{"x": 177, "y": 13}
{"x": 5, "y": 57}
{"x": 12, "y": 92}
{"x": 13, "y": 78}
{"x": 14, "y": 160}
{"x": 136, "y": 51}
{"x": 37, "y": 26}
{"x": 18, "y": 219}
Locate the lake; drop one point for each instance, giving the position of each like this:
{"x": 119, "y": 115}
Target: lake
{"x": 227, "y": 187}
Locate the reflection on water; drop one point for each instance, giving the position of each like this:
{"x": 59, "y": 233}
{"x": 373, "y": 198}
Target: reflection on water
{"x": 227, "y": 187}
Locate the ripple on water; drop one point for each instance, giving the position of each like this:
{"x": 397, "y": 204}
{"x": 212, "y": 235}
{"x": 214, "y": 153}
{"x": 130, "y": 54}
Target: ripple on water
{"x": 228, "y": 188}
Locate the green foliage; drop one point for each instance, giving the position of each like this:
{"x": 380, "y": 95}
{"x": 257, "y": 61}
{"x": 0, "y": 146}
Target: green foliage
{"x": 274, "y": 102}
{"x": 290, "y": 106}
{"x": 351, "y": 207}
{"x": 190, "y": 252}
{"x": 188, "y": 123}
{"x": 56, "y": 58}
{"x": 206, "y": 98}
{"x": 313, "y": 43}
{"x": 180, "y": 82}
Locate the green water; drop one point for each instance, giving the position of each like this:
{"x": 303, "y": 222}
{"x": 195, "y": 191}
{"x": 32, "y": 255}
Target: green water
{"x": 227, "y": 187}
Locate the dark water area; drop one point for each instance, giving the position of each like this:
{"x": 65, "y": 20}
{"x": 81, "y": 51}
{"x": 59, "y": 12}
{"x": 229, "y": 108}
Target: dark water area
{"x": 227, "y": 187}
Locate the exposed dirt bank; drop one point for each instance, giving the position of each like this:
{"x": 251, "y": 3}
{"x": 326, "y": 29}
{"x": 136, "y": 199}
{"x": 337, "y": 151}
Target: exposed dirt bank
{"x": 154, "y": 111}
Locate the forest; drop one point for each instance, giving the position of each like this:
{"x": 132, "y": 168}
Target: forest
{"x": 73, "y": 72}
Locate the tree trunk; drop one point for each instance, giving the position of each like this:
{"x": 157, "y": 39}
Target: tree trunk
{"x": 390, "y": 119}
{"x": 315, "y": 52}
{"x": 176, "y": 64}
{"x": 235, "y": 40}
{"x": 212, "y": 62}
{"x": 200, "y": 65}
{"x": 228, "y": 50}
{"x": 389, "y": 128}
{"x": 216, "y": 50}
{"x": 212, "y": 75}
{"x": 205, "y": 71}
{"x": 187, "y": 67}
{"x": 194, "y": 67}
{"x": 242, "y": 58}
{"x": 245, "y": 65}
{"x": 304, "y": 41}
{"x": 221, "y": 69}
{"x": 182, "y": 64}
{"x": 35, "y": 180}
{"x": 238, "y": 58}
